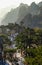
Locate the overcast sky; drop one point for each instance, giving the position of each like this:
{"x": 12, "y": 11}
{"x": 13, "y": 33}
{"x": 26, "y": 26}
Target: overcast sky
{"x": 6, "y": 5}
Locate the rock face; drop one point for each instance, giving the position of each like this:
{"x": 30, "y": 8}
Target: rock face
{"x": 15, "y": 14}
{"x": 40, "y": 4}
{"x": 30, "y": 15}
{"x": 33, "y": 21}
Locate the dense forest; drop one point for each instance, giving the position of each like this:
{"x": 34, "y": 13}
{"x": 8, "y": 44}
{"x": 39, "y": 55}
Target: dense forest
{"x": 28, "y": 40}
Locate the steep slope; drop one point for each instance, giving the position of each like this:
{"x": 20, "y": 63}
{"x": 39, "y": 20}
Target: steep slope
{"x": 34, "y": 9}
{"x": 10, "y": 17}
{"x": 33, "y": 21}
{"x": 15, "y": 14}
{"x": 40, "y": 4}
{"x": 30, "y": 15}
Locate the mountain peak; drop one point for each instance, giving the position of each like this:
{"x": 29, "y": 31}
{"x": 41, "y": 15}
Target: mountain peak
{"x": 22, "y": 4}
{"x": 34, "y": 6}
{"x": 33, "y": 3}
{"x": 21, "y": 14}
{"x": 40, "y": 4}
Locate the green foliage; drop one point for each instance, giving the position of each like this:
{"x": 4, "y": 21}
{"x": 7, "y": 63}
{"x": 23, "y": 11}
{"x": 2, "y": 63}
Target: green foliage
{"x": 29, "y": 36}
{"x": 5, "y": 39}
{"x": 9, "y": 50}
{"x": 34, "y": 56}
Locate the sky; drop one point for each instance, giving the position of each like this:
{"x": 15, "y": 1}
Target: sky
{"x": 6, "y": 5}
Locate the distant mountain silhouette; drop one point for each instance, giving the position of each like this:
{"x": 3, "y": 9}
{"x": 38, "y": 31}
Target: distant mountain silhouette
{"x": 34, "y": 9}
{"x": 30, "y": 15}
{"x": 15, "y": 14}
{"x": 33, "y": 21}
{"x": 40, "y": 4}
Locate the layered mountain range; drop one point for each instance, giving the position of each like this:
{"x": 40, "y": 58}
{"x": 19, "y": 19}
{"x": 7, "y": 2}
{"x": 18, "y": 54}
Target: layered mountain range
{"x": 31, "y": 15}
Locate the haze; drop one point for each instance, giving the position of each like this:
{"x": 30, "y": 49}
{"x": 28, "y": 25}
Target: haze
{"x": 6, "y": 5}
